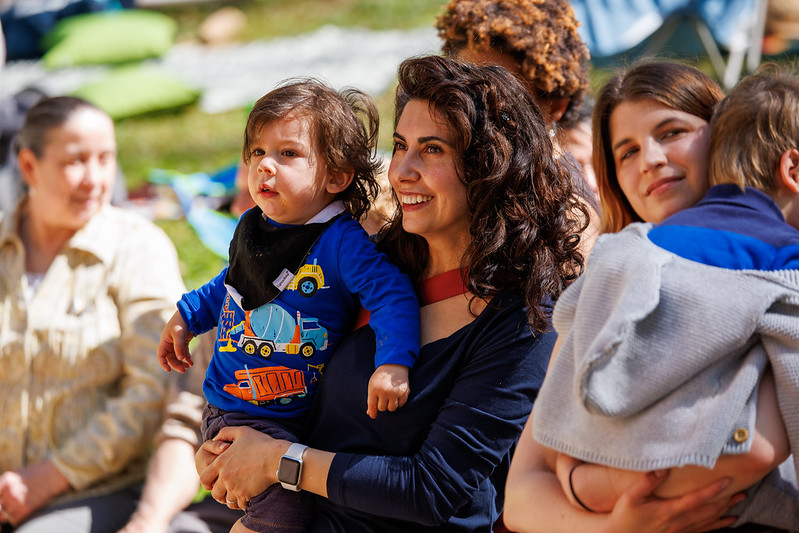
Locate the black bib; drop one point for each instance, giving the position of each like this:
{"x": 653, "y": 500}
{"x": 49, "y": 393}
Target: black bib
{"x": 261, "y": 255}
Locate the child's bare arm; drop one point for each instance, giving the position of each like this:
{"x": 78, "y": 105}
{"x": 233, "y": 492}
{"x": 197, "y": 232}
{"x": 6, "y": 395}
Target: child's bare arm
{"x": 597, "y": 485}
{"x": 593, "y": 487}
{"x": 388, "y": 389}
{"x": 173, "y": 348}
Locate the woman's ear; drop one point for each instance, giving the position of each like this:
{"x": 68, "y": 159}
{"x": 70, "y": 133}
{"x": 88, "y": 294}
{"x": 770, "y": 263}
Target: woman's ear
{"x": 555, "y": 108}
{"x": 27, "y": 160}
{"x": 338, "y": 182}
{"x": 788, "y": 171}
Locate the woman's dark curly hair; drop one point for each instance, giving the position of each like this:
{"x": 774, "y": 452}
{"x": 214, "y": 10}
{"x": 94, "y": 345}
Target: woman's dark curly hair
{"x": 540, "y": 34}
{"x": 525, "y": 221}
{"x": 344, "y": 141}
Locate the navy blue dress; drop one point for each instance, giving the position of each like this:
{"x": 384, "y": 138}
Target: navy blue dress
{"x": 440, "y": 462}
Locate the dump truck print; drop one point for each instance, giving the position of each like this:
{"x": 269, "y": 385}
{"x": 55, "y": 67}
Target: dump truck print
{"x": 308, "y": 280}
{"x": 268, "y": 385}
{"x": 270, "y": 328}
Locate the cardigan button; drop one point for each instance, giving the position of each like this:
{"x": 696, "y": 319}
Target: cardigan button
{"x": 740, "y": 435}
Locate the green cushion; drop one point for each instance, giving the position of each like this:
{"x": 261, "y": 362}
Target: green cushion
{"x": 108, "y": 37}
{"x": 130, "y": 91}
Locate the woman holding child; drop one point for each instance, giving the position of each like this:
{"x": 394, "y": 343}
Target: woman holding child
{"x": 652, "y": 142}
{"x": 486, "y": 228}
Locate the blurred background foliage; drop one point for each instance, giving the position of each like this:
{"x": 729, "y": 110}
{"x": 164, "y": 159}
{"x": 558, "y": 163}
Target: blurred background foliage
{"x": 276, "y": 18}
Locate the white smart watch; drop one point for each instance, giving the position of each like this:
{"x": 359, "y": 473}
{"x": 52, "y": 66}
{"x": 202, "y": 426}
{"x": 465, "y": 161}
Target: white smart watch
{"x": 290, "y": 467}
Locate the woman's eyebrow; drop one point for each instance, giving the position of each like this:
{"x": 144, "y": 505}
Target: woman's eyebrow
{"x": 422, "y": 140}
{"x": 621, "y": 143}
{"x": 429, "y": 138}
{"x": 660, "y": 124}
{"x": 665, "y": 121}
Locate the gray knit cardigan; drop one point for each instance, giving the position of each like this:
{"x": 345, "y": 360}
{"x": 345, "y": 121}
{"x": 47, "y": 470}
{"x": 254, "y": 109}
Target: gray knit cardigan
{"x": 662, "y": 356}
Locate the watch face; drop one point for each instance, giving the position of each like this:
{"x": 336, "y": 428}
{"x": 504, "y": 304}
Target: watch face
{"x": 289, "y": 471}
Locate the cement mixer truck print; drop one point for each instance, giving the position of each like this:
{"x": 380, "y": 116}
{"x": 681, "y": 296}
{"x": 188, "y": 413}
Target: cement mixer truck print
{"x": 270, "y": 328}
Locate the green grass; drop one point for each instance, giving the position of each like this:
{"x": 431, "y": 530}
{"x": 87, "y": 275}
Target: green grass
{"x": 187, "y": 141}
{"x": 197, "y": 263}
{"x": 276, "y": 18}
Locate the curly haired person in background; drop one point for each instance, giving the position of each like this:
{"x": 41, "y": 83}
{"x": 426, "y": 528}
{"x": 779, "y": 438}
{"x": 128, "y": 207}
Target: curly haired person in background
{"x": 537, "y": 40}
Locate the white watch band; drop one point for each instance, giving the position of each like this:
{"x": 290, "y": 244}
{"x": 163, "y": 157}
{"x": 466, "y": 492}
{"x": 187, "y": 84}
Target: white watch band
{"x": 295, "y": 451}
{"x": 292, "y": 459}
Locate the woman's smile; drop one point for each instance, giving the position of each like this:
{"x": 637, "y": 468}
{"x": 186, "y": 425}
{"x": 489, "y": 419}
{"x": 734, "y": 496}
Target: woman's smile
{"x": 414, "y": 200}
{"x": 663, "y": 185}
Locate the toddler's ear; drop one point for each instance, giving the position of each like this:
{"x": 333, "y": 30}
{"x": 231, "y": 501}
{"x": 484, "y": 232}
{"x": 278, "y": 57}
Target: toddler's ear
{"x": 338, "y": 182}
{"x": 788, "y": 170}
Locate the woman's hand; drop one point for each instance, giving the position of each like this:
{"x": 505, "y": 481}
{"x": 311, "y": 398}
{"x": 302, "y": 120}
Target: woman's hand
{"x": 25, "y": 491}
{"x": 239, "y": 464}
{"x": 638, "y": 510}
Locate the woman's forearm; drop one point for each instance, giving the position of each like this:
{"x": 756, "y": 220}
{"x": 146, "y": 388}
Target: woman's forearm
{"x": 171, "y": 485}
{"x": 534, "y": 501}
{"x": 315, "y": 468}
{"x": 24, "y": 491}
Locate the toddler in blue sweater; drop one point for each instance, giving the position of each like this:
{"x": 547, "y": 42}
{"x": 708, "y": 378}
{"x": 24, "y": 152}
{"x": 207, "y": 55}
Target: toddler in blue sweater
{"x": 705, "y": 309}
{"x": 300, "y": 269}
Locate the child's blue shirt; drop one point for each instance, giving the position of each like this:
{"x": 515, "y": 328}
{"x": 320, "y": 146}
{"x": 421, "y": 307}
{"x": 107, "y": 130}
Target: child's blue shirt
{"x": 282, "y": 347}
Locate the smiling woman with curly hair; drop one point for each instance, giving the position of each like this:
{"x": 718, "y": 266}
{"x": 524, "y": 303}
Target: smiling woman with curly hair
{"x": 482, "y": 228}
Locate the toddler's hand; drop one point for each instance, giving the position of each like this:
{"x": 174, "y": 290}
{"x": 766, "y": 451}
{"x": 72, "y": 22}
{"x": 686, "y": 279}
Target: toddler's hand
{"x": 388, "y": 389}
{"x": 173, "y": 348}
